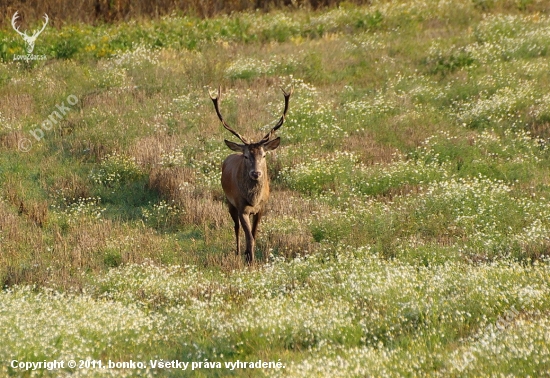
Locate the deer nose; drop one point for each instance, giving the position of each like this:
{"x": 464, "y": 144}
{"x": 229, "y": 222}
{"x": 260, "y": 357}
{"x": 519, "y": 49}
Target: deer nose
{"x": 255, "y": 175}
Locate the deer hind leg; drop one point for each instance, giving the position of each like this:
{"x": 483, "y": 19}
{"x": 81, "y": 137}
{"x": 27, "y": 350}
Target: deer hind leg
{"x": 249, "y": 252}
{"x": 235, "y": 216}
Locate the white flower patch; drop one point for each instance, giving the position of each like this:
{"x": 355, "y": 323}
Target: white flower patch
{"x": 136, "y": 57}
{"x": 173, "y": 158}
{"x": 370, "y": 42}
{"x": 161, "y": 213}
{"x": 518, "y": 347}
{"x": 320, "y": 173}
{"x": 147, "y": 284}
{"x": 66, "y": 327}
{"x": 110, "y": 75}
{"x": 310, "y": 118}
{"x": 9, "y": 123}
{"x": 116, "y": 169}
{"x": 82, "y": 209}
{"x": 281, "y": 225}
{"x": 381, "y": 103}
{"x": 207, "y": 164}
{"x": 496, "y": 107}
{"x": 246, "y": 67}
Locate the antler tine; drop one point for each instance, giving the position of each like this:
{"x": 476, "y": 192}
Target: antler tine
{"x": 215, "y": 101}
{"x": 283, "y": 117}
{"x": 16, "y": 28}
{"x": 43, "y": 27}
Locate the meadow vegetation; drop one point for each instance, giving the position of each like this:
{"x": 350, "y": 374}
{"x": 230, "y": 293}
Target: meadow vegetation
{"x": 98, "y": 11}
{"x": 407, "y": 232}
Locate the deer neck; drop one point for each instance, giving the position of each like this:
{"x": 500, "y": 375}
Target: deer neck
{"x": 253, "y": 190}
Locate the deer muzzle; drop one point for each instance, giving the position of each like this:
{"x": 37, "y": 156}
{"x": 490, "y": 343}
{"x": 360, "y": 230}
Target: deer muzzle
{"x": 255, "y": 175}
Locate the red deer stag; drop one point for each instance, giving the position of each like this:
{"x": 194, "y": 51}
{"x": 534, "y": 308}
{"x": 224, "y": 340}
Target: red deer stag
{"x": 245, "y": 180}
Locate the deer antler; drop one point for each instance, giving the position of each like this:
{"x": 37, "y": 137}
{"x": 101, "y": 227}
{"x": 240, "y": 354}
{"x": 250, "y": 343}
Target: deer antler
{"x": 282, "y": 119}
{"x": 215, "y": 101}
{"x": 16, "y": 28}
{"x": 36, "y": 34}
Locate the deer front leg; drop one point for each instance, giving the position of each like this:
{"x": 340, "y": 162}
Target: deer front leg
{"x": 255, "y": 223}
{"x": 249, "y": 252}
{"x": 235, "y": 216}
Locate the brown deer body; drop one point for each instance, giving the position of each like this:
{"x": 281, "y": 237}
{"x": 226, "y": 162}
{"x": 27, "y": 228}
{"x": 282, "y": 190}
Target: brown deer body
{"x": 245, "y": 181}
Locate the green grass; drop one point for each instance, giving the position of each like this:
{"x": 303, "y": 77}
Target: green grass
{"x": 407, "y": 228}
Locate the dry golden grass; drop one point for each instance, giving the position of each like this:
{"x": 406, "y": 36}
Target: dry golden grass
{"x": 540, "y": 129}
{"x": 35, "y": 211}
{"x": 10, "y": 140}
{"x": 148, "y": 150}
{"x": 286, "y": 204}
{"x": 69, "y": 188}
{"x": 368, "y": 149}
{"x": 19, "y": 237}
{"x": 87, "y": 246}
{"x": 14, "y": 106}
{"x": 178, "y": 185}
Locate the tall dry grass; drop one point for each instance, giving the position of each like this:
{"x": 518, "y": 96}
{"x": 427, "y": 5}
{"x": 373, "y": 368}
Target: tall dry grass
{"x": 94, "y": 11}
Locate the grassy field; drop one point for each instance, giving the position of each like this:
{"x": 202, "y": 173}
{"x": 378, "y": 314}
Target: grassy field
{"x": 408, "y": 226}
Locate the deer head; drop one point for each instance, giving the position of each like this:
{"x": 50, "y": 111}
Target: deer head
{"x": 29, "y": 40}
{"x": 253, "y": 153}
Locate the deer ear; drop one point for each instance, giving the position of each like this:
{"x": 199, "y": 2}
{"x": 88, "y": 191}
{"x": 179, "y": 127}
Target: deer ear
{"x": 272, "y": 144}
{"x": 234, "y": 146}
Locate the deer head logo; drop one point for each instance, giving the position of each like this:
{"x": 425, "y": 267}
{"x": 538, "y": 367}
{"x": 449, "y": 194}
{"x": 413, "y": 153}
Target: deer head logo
{"x": 29, "y": 39}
